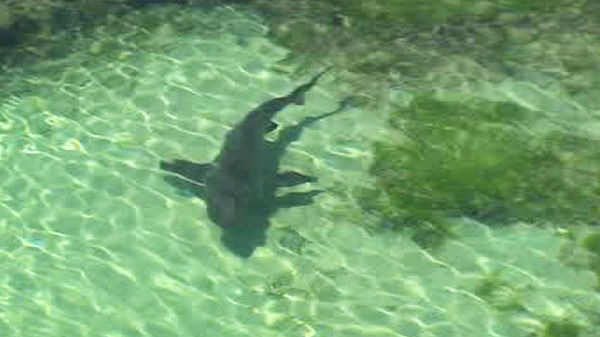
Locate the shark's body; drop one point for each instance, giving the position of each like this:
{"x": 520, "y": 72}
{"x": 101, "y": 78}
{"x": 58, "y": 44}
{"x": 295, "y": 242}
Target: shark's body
{"x": 239, "y": 185}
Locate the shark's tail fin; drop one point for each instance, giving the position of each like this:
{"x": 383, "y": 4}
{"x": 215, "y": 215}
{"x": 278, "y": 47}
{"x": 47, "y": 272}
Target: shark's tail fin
{"x": 265, "y": 112}
{"x": 297, "y": 95}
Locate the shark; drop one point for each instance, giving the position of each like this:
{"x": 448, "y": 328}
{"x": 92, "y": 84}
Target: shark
{"x": 240, "y": 185}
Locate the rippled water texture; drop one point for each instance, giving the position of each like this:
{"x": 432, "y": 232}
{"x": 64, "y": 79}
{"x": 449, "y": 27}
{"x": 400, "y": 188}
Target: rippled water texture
{"x": 93, "y": 242}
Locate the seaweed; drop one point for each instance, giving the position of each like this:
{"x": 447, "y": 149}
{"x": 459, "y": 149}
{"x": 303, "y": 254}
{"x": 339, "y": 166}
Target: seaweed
{"x": 474, "y": 158}
{"x": 499, "y": 293}
{"x": 560, "y": 328}
{"x": 591, "y": 242}
{"x": 403, "y": 42}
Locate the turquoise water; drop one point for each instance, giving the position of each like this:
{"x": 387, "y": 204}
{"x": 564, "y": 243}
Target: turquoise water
{"x": 93, "y": 241}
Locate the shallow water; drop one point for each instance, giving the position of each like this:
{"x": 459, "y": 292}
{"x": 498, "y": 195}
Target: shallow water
{"x": 93, "y": 242}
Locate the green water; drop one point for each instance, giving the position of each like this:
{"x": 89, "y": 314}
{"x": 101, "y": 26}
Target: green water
{"x": 93, "y": 242}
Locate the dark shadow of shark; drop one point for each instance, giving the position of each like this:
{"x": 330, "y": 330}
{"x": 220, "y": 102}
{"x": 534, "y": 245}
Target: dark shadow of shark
{"x": 240, "y": 185}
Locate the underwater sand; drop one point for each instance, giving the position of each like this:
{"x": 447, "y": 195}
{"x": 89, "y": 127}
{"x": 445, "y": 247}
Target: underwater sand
{"x": 93, "y": 242}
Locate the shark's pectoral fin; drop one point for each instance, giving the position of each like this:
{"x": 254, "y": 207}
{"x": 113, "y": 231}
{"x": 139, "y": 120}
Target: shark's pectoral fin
{"x": 186, "y": 188}
{"x": 299, "y": 99}
{"x": 293, "y": 178}
{"x": 189, "y": 180}
{"x": 188, "y": 169}
{"x": 295, "y": 199}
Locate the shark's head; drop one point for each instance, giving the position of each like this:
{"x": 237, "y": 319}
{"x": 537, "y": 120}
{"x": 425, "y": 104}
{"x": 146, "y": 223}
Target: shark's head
{"x": 244, "y": 239}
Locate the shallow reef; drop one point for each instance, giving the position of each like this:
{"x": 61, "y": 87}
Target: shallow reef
{"x": 401, "y": 42}
{"x": 474, "y": 158}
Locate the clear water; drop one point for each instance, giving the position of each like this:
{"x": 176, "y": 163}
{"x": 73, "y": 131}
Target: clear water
{"x": 93, "y": 242}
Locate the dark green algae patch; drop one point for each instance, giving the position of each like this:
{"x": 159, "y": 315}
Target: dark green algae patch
{"x": 483, "y": 160}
